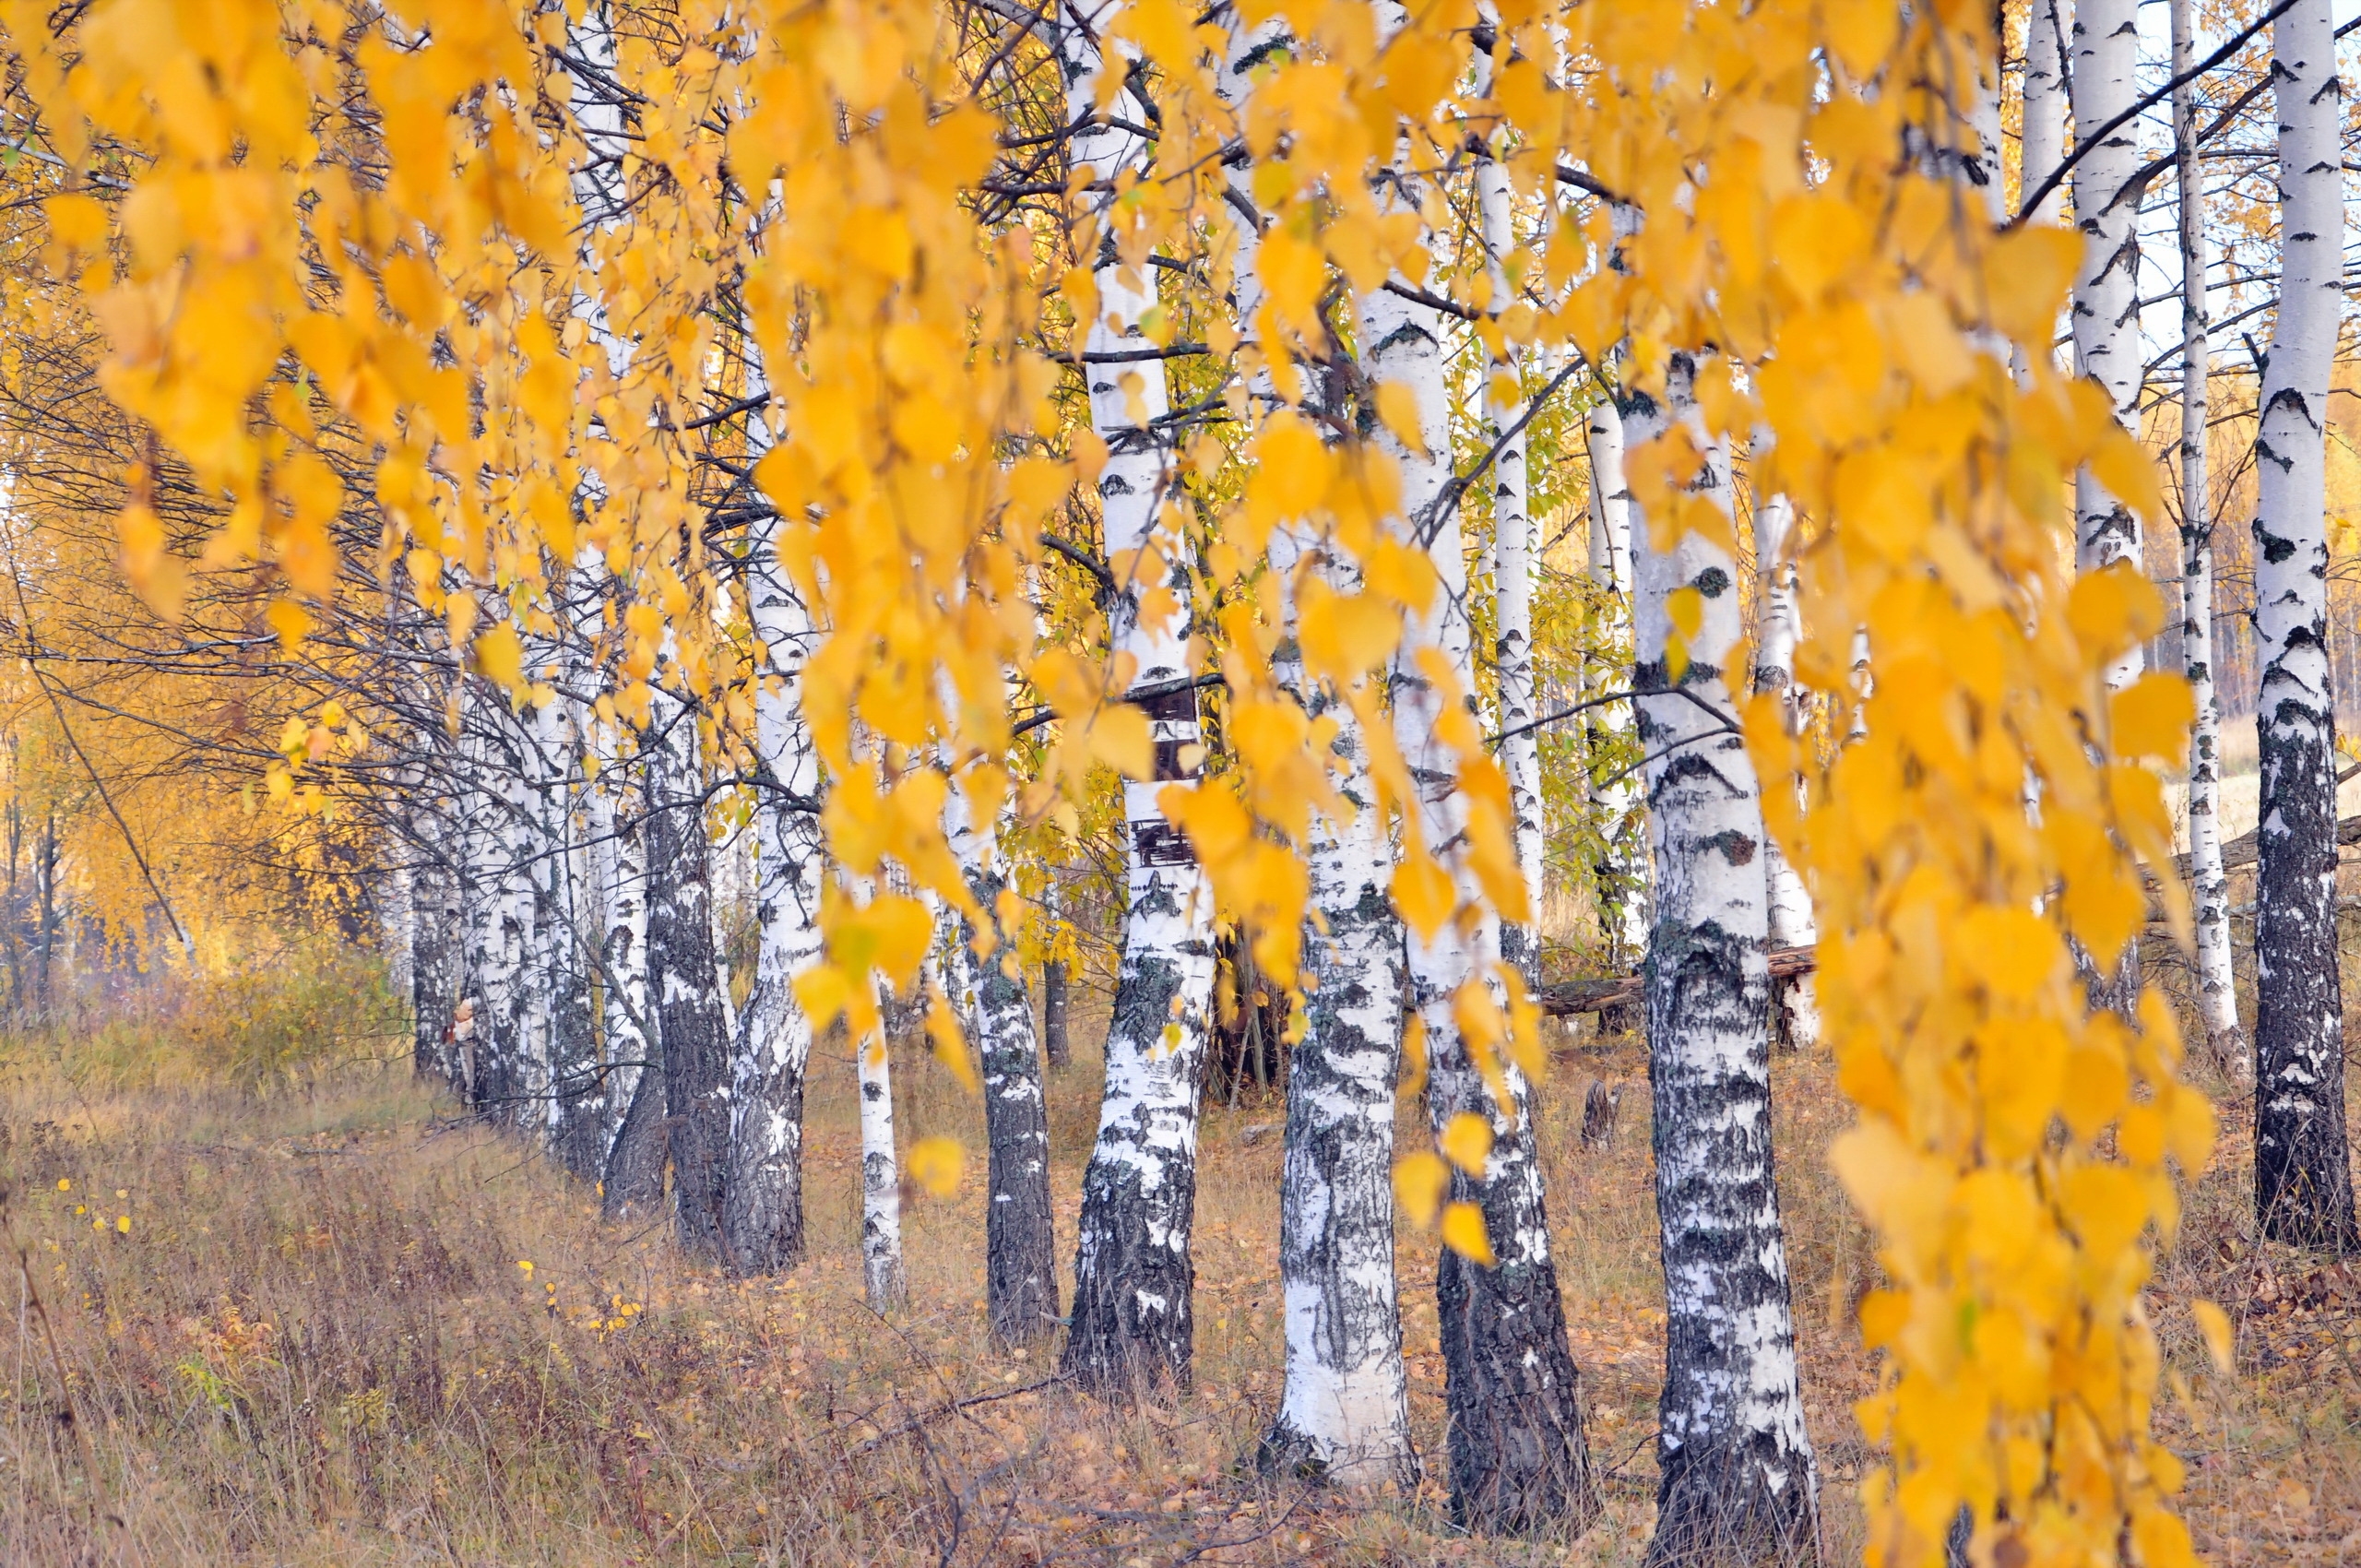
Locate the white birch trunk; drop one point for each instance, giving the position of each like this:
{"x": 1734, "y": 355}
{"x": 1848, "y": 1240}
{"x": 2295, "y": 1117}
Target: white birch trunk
{"x": 2303, "y": 1180}
{"x": 1513, "y": 569}
{"x": 1132, "y": 1322}
{"x": 763, "y": 1208}
{"x": 2045, "y": 111}
{"x": 692, "y": 1016}
{"x": 1020, "y": 1233}
{"x": 2217, "y": 994}
{"x": 1623, "y": 873}
{"x": 881, "y": 1189}
{"x": 634, "y": 1171}
{"x": 1344, "y": 1406}
{"x": 1738, "y": 1478}
{"x": 2108, "y": 347}
{"x": 1790, "y": 922}
{"x": 1517, "y": 1457}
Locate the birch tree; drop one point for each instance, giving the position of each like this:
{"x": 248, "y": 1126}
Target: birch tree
{"x": 2217, "y": 995}
{"x": 1789, "y": 922}
{"x": 1517, "y": 1455}
{"x": 1738, "y": 1482}
{"x": 2303, "y": 1180}
{"x": 691, "y": 1014}
{"x": 1134, "y": 1275}
{"x": 1020, "y": 1235}
{"x": 763, "y": 1206}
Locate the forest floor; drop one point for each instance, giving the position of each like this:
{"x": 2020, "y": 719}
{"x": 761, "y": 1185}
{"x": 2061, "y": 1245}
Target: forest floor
{"x": 335, "y": 1326}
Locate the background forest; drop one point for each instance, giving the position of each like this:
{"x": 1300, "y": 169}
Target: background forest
{"x": 961, "y": 782}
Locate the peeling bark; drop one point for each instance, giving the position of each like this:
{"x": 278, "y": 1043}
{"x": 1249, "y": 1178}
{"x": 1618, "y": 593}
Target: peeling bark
{"x": 1738, "y": 1484}
{"x": 2303, "y": 1178}
{"x": 2209, "y": 881}
{"x": 690, "y": 1014}
{"x": 1131, "y": 1326}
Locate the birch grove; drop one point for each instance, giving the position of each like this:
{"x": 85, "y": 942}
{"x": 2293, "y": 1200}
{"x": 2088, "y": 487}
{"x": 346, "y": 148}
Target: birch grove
{"x": 830, "y": 587}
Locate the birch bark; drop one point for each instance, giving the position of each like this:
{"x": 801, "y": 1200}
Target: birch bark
{"x": 1518, "y": 1460}
{"x": 1738, "y": 1478}
{"x": 1513, "y": 568}
{"x": 881, "y": 1189}
{"x": 2217, "y": 994}
{"x": 691, "y": 1015}
{"x": 2303, "y": 1180}
{"x": 1622, "y": 874}
{"x": 635, "y": 1170}
{"x": 1020, "y": 1233}
{"x": 2105, "y": 303}
{"x": 1133, "y": 1273}
{"x": 762, "y": 1199}
{"x": 1343, "y": 1407}
{"x": 1796, "y": 1006}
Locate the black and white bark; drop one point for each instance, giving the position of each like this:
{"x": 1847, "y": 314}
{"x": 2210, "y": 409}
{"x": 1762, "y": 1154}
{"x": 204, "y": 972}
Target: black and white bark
{"x": 1795, "y": 1005}
{"x": 1737, "y": 1479}
{"x": 2209, "y": 883}
{"x": 436, "y": 969}
{"x": 1621, "y": 874}
{"x": 1020, "y": 1232}
{"x": 762, "y": 1198}
{"x": 1518, "y": 1461}
{"x": 2303, "y": 1179}
{"x": 1513, "y": 565}
{"x": 1132, "y": 1324}
{"x": 690, "y": 1013}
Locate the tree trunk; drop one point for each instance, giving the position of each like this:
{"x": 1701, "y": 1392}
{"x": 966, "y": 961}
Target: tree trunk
{"x": 1133, "y": 1273}
{"x": 1796, "y": 1009}
{"x": 1513, "y": 569}
{"x": 576, "y": 1125}
{"x": 1622, "y": 871}
{"x": 691, "y": 1018}
{"x": 1738, "y": 1482}
{"x": 1517, "y": 1457}
{"x": 434, "y": 966}
{"x": 1056, "y": 1041}
{"x": 1020, "y": 1233}
{"x": 762, "y": 1198}
{"x": 881, "y": 1189}
{"x": 1344, "y": 1411}
{"x": 2108, "y": 345}
{"x": 2303, "y": 1183}
{"x": 2217, "y": 994}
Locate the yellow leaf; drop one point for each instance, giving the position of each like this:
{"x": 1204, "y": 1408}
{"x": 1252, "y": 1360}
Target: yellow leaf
{"x": 498, "y": 656}
{"x": 2152, "y": 716}
{"x": 1422, "y": 893}
{"x": 2220, "y": 1340}
{"x": 936, "y": 1165}
{"x": 1397, "y": 406}
{"x": 1419, "y": 1182}
{"x": 1467, "y": 1139}
{"x": 1462, "y": 1232}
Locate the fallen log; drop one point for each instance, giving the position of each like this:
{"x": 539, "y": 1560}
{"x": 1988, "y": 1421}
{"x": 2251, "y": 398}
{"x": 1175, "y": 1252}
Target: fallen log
{"x": 1569, "y": 997}
{"x": 2244, "y": 849}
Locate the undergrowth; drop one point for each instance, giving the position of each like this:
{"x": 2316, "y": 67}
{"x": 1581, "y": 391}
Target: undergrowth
{"x": 331, "y": 1323}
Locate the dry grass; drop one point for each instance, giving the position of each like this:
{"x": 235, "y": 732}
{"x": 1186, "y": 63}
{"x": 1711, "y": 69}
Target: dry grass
{"x": 316, "y": 1343}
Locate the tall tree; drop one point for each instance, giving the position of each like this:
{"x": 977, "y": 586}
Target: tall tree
{"x": 1518, "y": 1460}
{"x": 2217, "y": 994}
{"x": 763, "y": 1208}
{"x": 1795, "y": 1006}
{"x": 2303, "y": 1180}
{"x": 691, "y": 1012}
{"x": 1739, "y": 1482}
{"x": 1020, "y": 1231}
{"x": 1132, "y": 1320}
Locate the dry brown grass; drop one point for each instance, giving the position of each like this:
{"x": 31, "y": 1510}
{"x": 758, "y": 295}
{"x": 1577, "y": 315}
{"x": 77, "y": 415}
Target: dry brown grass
{"x": 316, "y": 1343}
